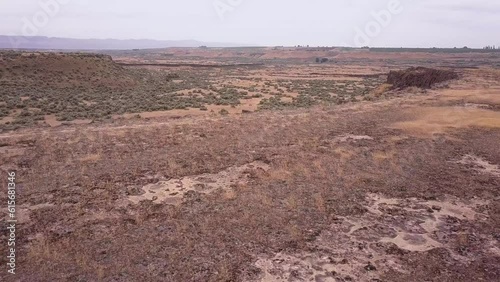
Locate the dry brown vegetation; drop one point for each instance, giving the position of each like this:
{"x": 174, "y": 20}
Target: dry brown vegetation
{"x": 401, "y": 186}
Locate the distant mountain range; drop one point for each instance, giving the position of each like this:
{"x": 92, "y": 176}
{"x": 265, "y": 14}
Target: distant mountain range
{"x": 55, "y": 43}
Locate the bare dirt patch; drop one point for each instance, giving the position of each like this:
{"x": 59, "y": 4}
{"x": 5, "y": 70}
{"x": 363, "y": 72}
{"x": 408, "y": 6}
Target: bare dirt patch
{"x": 348, "y": 137}
{"x": 360, "y": 247}
{"x": 173, "y": 191}
{"x": 480, "y": 165}
{"x": 52, "y": 121}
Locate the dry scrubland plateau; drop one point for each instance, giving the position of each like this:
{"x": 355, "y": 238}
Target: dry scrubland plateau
{"x": 252, "y": 165}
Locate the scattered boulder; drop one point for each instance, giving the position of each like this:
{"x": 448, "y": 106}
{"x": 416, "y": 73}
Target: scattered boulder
{"x": 419, "y": 77}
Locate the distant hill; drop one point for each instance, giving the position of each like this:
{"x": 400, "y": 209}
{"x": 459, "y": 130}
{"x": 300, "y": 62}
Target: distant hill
{"x": 55, "y": 43}
{"x": 51, "y": 71}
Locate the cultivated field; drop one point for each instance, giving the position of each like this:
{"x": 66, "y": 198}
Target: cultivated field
{"x": 251, "y": 164}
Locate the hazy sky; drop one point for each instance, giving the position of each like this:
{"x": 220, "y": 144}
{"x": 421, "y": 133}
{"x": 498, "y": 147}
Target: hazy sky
{"x": 419, "y": 23}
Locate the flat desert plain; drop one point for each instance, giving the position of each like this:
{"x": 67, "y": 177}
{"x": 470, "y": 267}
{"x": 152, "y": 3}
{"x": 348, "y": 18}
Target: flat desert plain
{"x": 251, "y": 164}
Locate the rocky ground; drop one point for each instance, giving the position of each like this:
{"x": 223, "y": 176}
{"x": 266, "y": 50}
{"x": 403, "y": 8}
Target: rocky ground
{"x": 398, "y": 189}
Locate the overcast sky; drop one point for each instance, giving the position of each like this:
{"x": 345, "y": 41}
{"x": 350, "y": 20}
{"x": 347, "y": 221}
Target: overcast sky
{"x": 417, "y": 23}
